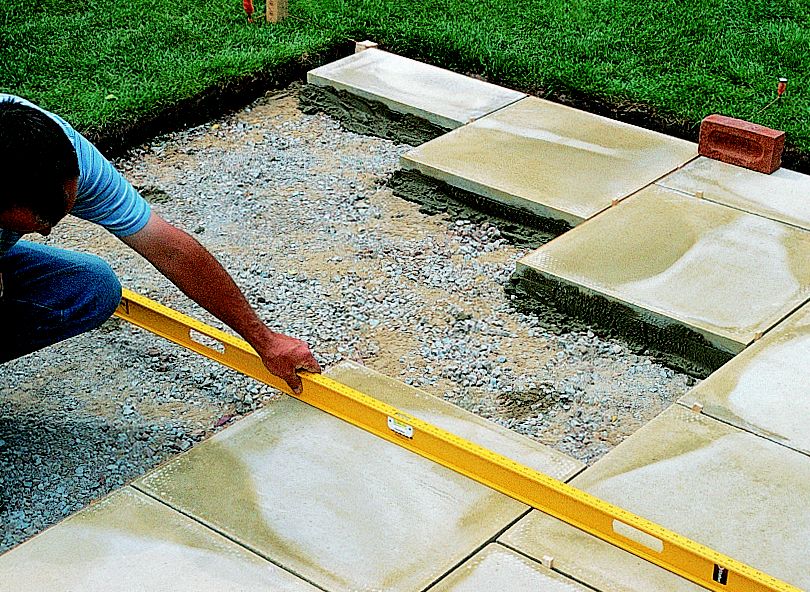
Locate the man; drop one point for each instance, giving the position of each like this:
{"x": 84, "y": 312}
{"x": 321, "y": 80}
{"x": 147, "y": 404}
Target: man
{"x": 48, "y": 170}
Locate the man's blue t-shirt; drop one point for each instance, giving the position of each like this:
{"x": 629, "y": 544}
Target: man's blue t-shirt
{"x": 104, "y": 196}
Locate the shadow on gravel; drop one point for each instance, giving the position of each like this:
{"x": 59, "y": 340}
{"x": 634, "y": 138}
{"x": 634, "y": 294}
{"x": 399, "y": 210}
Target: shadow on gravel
{"x": 528, "y": 402}
{"x": 52, "y": 466}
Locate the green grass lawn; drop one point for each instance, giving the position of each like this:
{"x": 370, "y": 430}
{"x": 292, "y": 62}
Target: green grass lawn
{"x": 108, "y": 65}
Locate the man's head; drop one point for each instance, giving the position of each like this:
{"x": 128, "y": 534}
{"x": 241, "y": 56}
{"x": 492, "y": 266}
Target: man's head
{"x": 39, "y": 170}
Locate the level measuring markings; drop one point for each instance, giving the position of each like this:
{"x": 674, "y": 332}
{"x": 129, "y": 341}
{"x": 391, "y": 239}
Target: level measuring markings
{"x": 296, "y": 208}
{"x": 456, "y": 420}
{"x": 733, "y": 491}
{"x": 612, "y": 523}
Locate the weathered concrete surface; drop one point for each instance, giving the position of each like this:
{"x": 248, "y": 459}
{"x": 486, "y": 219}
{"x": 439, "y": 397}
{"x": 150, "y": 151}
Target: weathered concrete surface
{"x": 766, "y": 389}
{"x": 783, "y": 195}
{"x": 332, "y": 503}
{"x": 407, "y": 86}
{"x": 721, "y": 273}
{"x": 128, "y": 542}
{"x": 498, "y": 568}
{"x": 552, "y": 160}
{"x": 735, "y": 492}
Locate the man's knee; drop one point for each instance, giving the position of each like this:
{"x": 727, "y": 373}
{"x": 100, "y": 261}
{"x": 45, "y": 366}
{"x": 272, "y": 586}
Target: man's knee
{"x": 100, "y": 289}
{"x": 91, "y": 291}
{"x": 54, "y": 296}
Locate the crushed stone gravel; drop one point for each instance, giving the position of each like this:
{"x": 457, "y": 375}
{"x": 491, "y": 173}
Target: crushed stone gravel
{"x": 298, "y": 210}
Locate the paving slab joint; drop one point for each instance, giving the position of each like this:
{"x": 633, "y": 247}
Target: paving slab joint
{"x": 671, "y": 343}
{"x": 518, "y": 226}
{"x": 364, "y": 116}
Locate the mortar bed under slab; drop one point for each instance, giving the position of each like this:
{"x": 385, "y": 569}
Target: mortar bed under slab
{"x": 364, "y": 116}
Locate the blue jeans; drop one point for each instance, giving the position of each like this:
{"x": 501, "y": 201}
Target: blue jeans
{"x": 50, "y": 294}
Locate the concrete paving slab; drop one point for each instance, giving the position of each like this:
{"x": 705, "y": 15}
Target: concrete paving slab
{"x": 456, "y": 420}
{"x": 332, "y": 503}
{"x": 723, "y": 274}
{"x": 499, "y": 568}
{"x": 783, "y": 195}
{"x": 550, "y": 160}
{"x": 735, "y": 492}
{"x": 127, "y": 542}
{"x": 407, "y": 86}
{"x": 765, "y": 390}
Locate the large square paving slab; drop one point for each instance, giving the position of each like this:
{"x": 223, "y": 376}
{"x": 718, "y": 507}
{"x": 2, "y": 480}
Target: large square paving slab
{"x": 498, "y": 568}
{"x": 733, "y": 491}
{"x": 128, "y": 542}
{"x": 723, "y": 275}
{"x": 406, "y": 86}
{"x": 766, "y": 389}
{"x": 334, "y": 504}
{"x": 550, "y": 160}
{"x": 783, "y": 195}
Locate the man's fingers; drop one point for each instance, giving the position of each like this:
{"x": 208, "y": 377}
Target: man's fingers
{"x": 311, "y": 365}
{"x": 286, "y": 356}
{"x": 295, "y": 384}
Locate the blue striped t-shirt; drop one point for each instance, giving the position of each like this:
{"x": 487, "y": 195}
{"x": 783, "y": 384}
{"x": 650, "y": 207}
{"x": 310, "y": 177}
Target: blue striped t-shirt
{"x": 103, "y": 197}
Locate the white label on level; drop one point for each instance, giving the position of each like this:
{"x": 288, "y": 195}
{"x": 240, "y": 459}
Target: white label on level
{"x": 401, "y": 428}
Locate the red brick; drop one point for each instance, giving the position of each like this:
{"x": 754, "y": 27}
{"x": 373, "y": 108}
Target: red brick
{"x": 740, "y": 142}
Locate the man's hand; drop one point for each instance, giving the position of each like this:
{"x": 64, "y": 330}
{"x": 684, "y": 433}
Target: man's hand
{"x": 283, "y": 355}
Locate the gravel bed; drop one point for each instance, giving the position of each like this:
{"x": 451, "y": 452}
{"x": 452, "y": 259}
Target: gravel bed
{"x": 299, "y": 212}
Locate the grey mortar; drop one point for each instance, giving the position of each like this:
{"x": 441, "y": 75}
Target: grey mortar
{"x": 364, "y": 116}
{"x": 519, "y": 226}
{"x": 675, "y": 344}
{"x": 367, "y": 117}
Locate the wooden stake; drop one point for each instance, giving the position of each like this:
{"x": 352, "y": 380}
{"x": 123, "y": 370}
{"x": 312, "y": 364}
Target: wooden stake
{"x": 364, "y": 45}
{"x": 276, "y": 11}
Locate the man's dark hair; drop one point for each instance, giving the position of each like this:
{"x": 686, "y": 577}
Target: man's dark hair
{"x": 36, "y": 159}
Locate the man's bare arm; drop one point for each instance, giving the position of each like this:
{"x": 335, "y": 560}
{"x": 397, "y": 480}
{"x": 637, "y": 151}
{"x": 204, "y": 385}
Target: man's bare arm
{"x": 189, "y": 266}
